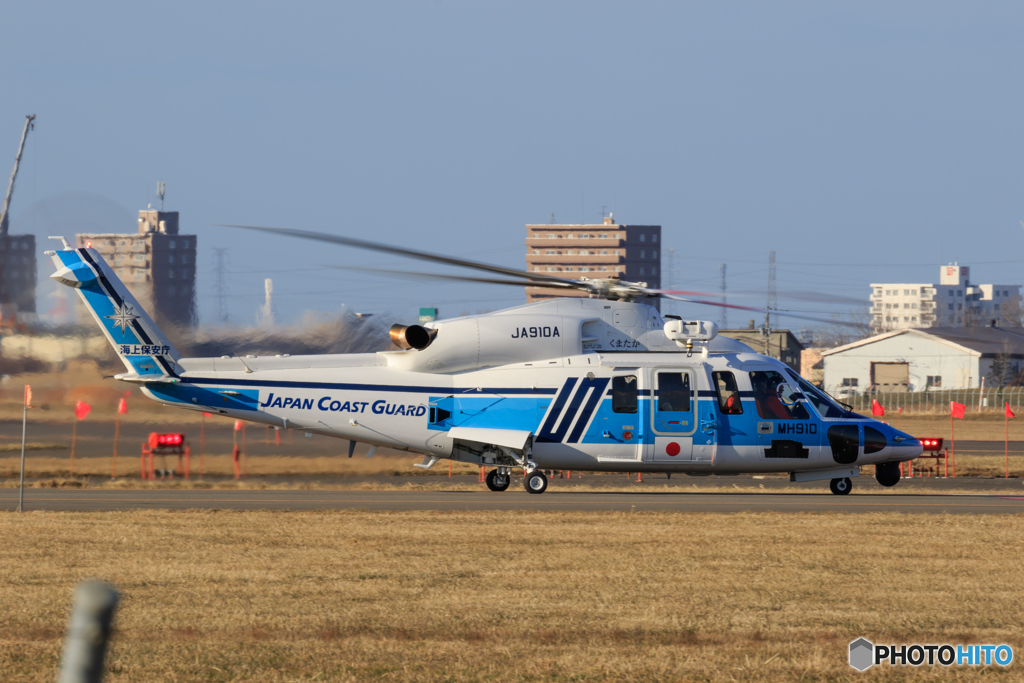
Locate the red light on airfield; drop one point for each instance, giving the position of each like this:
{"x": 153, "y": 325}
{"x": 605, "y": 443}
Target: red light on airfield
{"x": 932, "y": 444}
{"x": 89, "y": 244}
{"x": 166, "y": 440}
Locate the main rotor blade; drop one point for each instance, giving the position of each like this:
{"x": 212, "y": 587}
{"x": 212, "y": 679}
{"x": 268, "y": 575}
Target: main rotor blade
{"x": 772, "y": 311}
{"x": 681, "y": 293}
{"x": 410, "y": 253}
{"x": 457, "y": 278}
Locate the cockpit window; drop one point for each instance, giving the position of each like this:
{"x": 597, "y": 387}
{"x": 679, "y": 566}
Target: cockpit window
{"x": 823, "y": 404}
{"x": 771, "y": 405}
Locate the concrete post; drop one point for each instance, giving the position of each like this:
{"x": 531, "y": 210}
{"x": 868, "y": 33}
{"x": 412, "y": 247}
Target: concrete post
{"x": 92, "y": 615}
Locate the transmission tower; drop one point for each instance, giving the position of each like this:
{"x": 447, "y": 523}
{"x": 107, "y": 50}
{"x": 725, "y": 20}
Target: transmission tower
{"x": 220, "y": 286}
{"x": 725, "y": 311}
{"x": 773, "y": 301}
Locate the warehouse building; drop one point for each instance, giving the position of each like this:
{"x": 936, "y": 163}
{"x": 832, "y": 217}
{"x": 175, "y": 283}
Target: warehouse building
{"x": 920, "y": 360}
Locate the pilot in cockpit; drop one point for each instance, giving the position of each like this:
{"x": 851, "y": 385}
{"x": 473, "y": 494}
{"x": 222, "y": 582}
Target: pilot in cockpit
{"x": 766, "y": 396}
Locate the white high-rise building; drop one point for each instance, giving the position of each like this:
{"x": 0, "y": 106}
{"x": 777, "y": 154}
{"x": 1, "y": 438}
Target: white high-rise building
{"x": 953, "y": 302}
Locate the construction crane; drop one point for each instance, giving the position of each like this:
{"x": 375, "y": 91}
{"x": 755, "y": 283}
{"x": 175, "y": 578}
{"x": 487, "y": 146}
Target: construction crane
{"x": 7, "y": 316}
{"x": 29, "y": 125}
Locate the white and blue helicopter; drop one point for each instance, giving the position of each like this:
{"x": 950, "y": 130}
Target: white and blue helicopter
{"x": 597, "y": 384}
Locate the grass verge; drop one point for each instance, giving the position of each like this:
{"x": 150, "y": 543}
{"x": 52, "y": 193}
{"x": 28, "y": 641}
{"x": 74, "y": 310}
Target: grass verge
{"x": 357, "y": 596}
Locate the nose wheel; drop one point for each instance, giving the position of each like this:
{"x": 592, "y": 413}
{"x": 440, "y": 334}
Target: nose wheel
{"x": 535, "y": 482}
{"x": 498, "y": 480}
{"x": 841, "y": 487}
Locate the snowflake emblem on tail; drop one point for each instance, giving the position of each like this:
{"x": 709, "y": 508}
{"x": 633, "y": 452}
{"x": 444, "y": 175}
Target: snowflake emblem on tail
{"x": 123, "y": 316}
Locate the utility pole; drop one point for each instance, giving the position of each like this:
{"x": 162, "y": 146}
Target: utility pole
{"x": 671, "y": 284}
{"x": 773, "y": 302}
{"x": 220, "y": 287}
{"x": 725, "y": 311}
{"x": 4, "y": 217}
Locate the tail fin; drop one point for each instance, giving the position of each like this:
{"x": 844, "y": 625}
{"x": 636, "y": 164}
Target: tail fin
{"x": 140, "y": 345}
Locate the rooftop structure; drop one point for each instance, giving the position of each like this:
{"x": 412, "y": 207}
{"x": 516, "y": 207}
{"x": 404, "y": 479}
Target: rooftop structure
{"x": 594, "y": 251}
{"x": 779, "y": 344}
{"x": 952, "y": 302}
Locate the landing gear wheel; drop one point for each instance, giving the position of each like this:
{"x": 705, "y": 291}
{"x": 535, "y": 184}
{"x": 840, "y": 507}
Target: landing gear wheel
{"x": 498, "y": 481}
{"x": 887, "y": 473}
{"x": 841, "y": 487}
{"x": 535, "y": 482}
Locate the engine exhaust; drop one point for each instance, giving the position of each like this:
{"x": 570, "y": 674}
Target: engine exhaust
{"x": 411, "y": 336}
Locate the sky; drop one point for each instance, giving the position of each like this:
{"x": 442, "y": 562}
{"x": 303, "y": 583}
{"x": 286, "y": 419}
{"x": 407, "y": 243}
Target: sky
{"x": 862, "y": 141}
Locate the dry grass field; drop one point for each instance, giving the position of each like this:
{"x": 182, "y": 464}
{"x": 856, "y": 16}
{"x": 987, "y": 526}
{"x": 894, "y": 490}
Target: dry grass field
{"x": 356, "y": 596}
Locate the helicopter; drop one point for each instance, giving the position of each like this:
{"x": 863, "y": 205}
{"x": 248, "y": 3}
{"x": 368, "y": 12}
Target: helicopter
{"x": 602, "y": 383}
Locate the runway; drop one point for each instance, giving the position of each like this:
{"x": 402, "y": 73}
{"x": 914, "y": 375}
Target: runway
{"x": 568, "y": 500}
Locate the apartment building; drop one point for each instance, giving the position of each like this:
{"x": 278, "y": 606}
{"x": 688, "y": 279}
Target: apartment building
{"x": 594, "y": 251}
{"x": 158, "y": 265}
{"x": 17, "y": 274}
{"x": 952, "y": 302}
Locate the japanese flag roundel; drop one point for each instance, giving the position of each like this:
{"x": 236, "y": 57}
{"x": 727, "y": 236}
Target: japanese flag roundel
{"x": 672, "y": 448}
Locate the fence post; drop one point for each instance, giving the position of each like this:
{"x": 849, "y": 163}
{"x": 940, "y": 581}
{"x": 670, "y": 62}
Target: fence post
{"x": 92, "y": 614}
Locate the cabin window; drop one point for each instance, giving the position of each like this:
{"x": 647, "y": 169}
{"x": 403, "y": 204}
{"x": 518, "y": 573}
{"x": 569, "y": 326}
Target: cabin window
{"x": 771, "y": 404}
{"x": 844, "y": 441}
{"x": 728, "y": 393}
{"x": 673, "y": 392}
{"x": 624, "y": 394}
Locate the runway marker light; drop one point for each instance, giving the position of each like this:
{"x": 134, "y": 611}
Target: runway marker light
{"x": 931, "y": 444}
